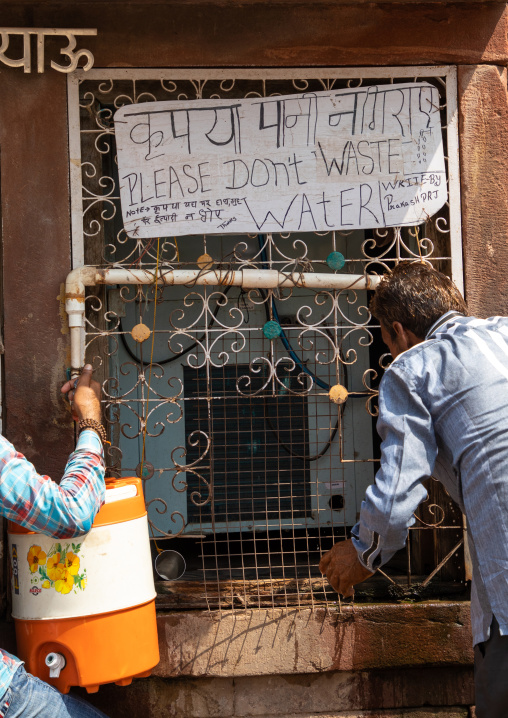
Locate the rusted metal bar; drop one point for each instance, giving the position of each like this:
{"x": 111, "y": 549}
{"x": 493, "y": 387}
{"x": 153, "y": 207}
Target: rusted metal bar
{"x": 442, "y": 563}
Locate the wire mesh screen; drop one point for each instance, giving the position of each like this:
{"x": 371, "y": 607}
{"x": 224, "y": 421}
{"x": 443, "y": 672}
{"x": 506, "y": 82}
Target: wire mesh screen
{"x": 265, "y": 439}
{"x": 249, "y": 469}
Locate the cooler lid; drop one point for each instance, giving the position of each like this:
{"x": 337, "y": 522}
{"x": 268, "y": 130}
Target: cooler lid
{"x": 124, "y": 502}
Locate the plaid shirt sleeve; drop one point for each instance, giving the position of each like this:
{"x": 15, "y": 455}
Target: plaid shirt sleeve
{"x": 36, "y": 502}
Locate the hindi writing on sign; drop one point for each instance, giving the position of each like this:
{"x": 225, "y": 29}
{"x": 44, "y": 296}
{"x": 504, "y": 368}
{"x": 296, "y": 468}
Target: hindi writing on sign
{"x": 357, "y": 158}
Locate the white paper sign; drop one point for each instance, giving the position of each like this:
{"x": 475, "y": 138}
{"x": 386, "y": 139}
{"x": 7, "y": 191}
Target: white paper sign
{"x": 348, "y": 159}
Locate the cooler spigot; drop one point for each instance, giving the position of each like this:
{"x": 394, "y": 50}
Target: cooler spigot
{"x": 55, "y": 662}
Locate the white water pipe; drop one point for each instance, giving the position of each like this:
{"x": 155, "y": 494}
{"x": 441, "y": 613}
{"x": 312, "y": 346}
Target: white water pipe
{"x": 83, "y": 277}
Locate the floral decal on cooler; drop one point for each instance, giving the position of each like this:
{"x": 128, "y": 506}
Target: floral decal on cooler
{"x": 36, "y": 557}
{"x": 59, "y": 569}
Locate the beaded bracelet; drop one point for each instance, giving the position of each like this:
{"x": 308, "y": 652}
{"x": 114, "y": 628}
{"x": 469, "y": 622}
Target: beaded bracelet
{"x": 96, "y": 426}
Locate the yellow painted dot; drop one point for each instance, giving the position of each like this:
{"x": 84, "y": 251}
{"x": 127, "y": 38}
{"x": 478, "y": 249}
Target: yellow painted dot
{"x": 338, "y": 394}
{"x": 140, "y": 333}
{"x": 205, "y": 261}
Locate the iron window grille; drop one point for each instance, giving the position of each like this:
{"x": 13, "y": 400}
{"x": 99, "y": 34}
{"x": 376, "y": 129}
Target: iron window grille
{"x": 250, "y": 471}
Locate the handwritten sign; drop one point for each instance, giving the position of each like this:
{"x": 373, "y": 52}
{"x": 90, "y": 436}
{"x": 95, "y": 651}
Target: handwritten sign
{"x": 348, "y": 159}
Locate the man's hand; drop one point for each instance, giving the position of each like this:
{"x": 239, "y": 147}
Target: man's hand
{"x": 84, "y": 396}
{"x": 343, "y": 568}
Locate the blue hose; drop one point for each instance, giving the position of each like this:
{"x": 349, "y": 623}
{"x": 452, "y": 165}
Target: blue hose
{"x": 282, "y": 335}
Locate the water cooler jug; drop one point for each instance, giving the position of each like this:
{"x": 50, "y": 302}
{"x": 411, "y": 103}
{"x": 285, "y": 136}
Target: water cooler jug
{"x": 84, "y": 608}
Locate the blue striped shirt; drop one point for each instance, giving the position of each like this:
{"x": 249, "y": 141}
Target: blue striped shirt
{"x": 443, "y": 411}
{"x": 62, "y": 510}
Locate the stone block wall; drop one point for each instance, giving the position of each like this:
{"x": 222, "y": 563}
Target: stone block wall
{"x": 405, "y": 693}
{"x": 363, "y": 662}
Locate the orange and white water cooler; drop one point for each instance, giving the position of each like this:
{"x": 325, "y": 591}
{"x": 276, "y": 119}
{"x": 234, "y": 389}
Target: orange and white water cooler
{"x": 84, "y": 608}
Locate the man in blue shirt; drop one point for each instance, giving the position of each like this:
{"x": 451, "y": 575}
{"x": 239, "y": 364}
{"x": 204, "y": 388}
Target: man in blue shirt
{"x": 63, "y": 510}
{"x": 443, "y": 411}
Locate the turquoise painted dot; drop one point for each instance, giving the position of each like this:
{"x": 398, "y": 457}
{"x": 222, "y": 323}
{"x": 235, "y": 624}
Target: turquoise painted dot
{"x": 272, "y": 329}
{"x": 147, "y": 470}
{"x": 335, "y": 260}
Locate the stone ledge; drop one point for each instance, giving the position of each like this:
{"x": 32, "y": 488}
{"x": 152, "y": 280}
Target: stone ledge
{"x": 275, "y": 642}
{"x": 325, "y": 694}
{"x": 404, "y": 693}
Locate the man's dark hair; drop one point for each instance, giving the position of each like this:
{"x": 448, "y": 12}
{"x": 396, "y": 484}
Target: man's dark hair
{"x": 415, "y": 295}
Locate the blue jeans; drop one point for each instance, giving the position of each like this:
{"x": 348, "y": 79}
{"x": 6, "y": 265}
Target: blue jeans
{"x": 29, "y": 697}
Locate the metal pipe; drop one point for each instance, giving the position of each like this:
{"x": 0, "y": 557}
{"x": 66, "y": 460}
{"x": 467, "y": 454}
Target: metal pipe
{"x": 246, "y": 278}
{"x": 75, "y": 285}
{"x": 86, "y": 276}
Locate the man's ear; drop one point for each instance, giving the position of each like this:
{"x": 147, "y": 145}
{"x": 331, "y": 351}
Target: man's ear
{"x": 405, "y": 337}
{"x": 400, "y": 333}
